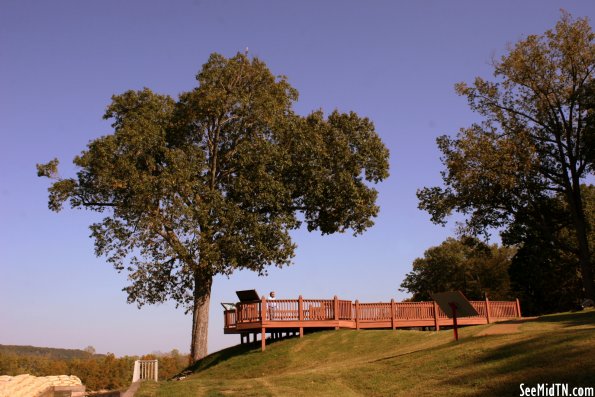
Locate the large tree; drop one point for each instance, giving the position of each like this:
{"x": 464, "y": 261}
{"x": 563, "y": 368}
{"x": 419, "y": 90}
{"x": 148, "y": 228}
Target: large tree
{"x": 544, "y": 272}
{"x": 465, "y": 264}
{"x": 214, "y": 181}
{"x": 535, "y": 140}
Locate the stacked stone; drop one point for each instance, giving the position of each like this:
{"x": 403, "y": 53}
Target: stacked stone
{"x": 33, "y": 386}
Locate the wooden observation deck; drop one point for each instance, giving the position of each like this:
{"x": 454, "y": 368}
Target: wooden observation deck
{"x": 293, "y": 316}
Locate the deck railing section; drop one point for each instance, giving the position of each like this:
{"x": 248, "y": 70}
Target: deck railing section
{"x": 415, "y": 311}
{"x": 318, "y": 309}
{"x": 503, "y": 309}
{"x": 248, "y": 312}
{"x": 480, "y": 307}
{"x": 374, "y": 311}
{"x": 230, "y": 318}
{"x": 283, "y": 310}
{"x": 346, "y": 310}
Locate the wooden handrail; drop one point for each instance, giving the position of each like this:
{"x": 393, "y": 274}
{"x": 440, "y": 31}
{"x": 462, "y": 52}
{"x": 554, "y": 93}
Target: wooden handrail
{"x": 284, "y": 315}
{"x": 305, "y": 310}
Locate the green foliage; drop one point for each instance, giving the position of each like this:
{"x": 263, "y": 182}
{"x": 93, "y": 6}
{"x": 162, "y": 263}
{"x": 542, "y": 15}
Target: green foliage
{"x": 215, "y": 181}
{"x": 99, "y": 372}
{"x": 534, "y": 142}
{"x": 465, "y": 265}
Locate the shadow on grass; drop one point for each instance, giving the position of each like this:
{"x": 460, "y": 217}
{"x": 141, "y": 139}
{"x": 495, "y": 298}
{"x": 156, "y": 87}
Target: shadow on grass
{"x": 225, "y": 354}
{"x": 219, "y": 357}
{"x": 586, "y": 317}
{"x": 546, "y": 358}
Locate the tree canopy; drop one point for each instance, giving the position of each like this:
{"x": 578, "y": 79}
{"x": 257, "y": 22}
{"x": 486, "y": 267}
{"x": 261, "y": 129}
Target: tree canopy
{"x": 214, "y": 182}
{"x": 465, "y": 264}
{"x": 535, "y": 141}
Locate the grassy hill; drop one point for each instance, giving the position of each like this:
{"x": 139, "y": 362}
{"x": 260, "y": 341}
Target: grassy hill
{"x": 552, "y": 349}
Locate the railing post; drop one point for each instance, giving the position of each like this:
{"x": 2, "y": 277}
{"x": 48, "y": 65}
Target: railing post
{"x": 263, "y": 308}
{"x": 436, "y": 324}
{"x": 336, "y": 307}
{"x": 336, "y": 310}
{"x": 488, "y": 316}
{"x": 136, "y": 372}
{"x": 518, "y": 308}
{"x": 301, "y": 315}
{"x": 392, "y": 313}
{"x": 357, "y": 314}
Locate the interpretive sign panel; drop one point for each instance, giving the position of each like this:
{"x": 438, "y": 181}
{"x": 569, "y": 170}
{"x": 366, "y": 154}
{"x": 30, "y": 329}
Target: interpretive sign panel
{"x": 248, "y": 295}
{"x": 447, "y": 299}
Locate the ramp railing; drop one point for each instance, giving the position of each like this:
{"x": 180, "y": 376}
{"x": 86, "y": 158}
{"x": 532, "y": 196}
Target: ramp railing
{"x": 145, "y": 370}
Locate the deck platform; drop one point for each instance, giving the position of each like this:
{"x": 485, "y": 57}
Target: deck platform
{"x": 296, "y": 316}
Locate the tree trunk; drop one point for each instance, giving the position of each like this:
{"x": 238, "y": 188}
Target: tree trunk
{"x": 585, "y": 258}
{"x": 582, "y": 230}
{"x": 200, "y": 316}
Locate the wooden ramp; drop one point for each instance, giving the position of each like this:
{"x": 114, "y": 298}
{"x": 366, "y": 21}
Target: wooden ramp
{"x": 295, "y": 316}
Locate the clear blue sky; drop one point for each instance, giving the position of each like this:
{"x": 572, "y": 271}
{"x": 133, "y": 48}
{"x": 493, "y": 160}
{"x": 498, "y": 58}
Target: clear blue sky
{"x": 60, "y": 61}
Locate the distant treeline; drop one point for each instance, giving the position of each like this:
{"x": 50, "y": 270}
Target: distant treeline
{"x": 63, "y": 354}
{"x": 97, "y": 372}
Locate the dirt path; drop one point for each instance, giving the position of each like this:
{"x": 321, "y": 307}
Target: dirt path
{"x": 505, "y": 327}
{"x": 131, "y": 390}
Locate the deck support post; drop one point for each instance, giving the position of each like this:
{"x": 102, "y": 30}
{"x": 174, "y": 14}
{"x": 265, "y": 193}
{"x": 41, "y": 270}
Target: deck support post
{"x": 518, "y": 308}
{"x": 357, "y": 314}
{"x": 488, "y": 316}
{"x": 263, "y": 339}
{"x": 436, "y": 324}
{"x": 392, "y": 314}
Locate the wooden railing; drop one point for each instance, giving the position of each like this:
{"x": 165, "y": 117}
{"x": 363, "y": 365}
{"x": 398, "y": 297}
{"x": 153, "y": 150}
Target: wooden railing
{"x": 393, "y": 313}
{"x": 145, "y": 370}
{"x": 374, "y": 311}
{"x": 415, "y": 310}
{"x": 504, "y": 309}
{"x": 230, "y": 318}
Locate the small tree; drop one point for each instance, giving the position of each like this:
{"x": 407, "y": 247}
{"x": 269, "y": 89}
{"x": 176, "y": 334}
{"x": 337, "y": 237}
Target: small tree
{"x": 90, "y": 350}
{"x": 214, "y": 182}
{"x": 464, "y": 264}
{"x": 535, "y": 142}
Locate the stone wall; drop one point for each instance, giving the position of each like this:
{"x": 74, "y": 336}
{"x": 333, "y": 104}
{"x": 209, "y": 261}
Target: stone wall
{"x": 42, "y": 386}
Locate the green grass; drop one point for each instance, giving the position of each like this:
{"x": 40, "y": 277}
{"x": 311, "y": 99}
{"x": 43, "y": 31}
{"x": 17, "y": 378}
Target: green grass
{"x": 551, "y": 349}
